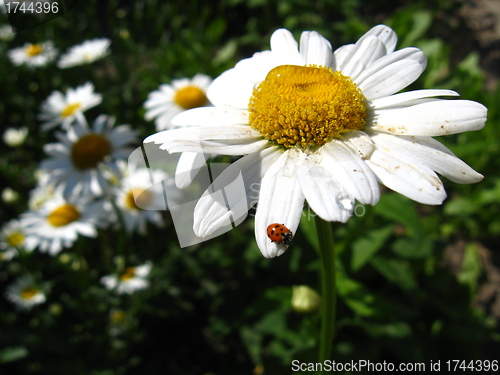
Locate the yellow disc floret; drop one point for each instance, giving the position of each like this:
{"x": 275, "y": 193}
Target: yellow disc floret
{"x": 15, "y": 239}
{"x": 137, "y": 198}
{"x": 190, "y": 97}
{"x": 29, "y": 293}
{"x": 70, "y": 109}
{"x": 63, "y": 215}
{"x": 90, "y": 150}
{"x": 306, "y": 106}
{"x": 34, "y": 49}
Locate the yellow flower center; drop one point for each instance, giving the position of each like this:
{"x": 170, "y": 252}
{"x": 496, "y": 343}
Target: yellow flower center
{"x": 90, "y": 150}
{"x": 63, "y": 215}
{"x": 34, "y": 49}
{"x": 118, "y": 316}
{"x": 29, "y": 293}
{"x": 128, "y": 274}
{"x": 15, "y": 239}
{"x": 70, "y": 109}
{"x": 190, "y": 97}
{"x": 137, "y": 198}
{"x": 306, "y": 106}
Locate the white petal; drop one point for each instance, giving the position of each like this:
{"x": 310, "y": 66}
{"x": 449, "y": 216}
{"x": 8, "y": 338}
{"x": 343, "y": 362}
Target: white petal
{"x": 406, "y": 99}
{"x": 211, "y": 116}
{"x": 431, "y": 153}
{"x": 391, "y": 73}
{"x": 187, "y": 168}
{"x": 315, "y": 49}
{"x": 220, "y": 140}
{"x": 280, "y": 201}
{"x": 361, "y": 55}
{"x": 407, "y": 176}
{"x": 356, "y": 179}
{"x": 324, "y": 193}
{"x": 385, "y": 34}
{"x": 210, "y": 214}
{"x": 284, "y": 47}
{"x": 439, "y": 117}
{"x": 231, "y": 89}
{"x": 360, "y": 142}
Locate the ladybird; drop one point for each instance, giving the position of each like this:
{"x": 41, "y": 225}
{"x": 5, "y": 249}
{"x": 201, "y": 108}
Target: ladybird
{"x": 279, "y": 233}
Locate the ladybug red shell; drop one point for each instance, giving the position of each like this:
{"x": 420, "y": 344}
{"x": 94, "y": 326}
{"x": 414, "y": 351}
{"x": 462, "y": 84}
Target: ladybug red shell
{"x": 279, "y": 233}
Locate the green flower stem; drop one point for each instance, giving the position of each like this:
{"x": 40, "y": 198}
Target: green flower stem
{"x": 328, "y": 289}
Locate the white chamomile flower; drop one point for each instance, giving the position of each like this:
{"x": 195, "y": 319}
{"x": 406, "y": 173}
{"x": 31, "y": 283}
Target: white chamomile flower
{"x": 12, "y": 238}
{"x": 25, "y": 293}
{"x": 324, "y": 128}
{"x": 169, "y": 100}
{"x": 33, "y": 55}
{"x": 59, "y": 222}
{"x": 78, "y": 161}
{"x": 64, "y": 109}
{"x": 138, "y": 199}
{"x": 15, "y": 137}
{"x": 85, "y": 53}
{"x": 131, "y": 280}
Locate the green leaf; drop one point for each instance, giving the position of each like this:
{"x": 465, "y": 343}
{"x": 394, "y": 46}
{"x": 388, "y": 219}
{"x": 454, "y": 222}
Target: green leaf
{"x": 400, "y": 209}
{"x": 412, "y": 248}
{"x": 13, "y": 353}
{"x": 365, "y": 248}
{"x": 471, "y": 267}
{"x": 396, "y": 271}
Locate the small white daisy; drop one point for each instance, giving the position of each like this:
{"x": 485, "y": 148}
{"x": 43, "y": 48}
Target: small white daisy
{"x": 6, "y": 33}
{"x": 64, "y": 109}
{"x": 25, "y": 293}
{"x": 137, "y": 198}
{"x": 131, "y": 280}
{"x": 169, "y": 100}
{"x": 9, "y": 195}
{"x": 12, "y": 238}
{"x": 33, "y": 55}
{"x": 15, "y": 137}
{"x": 85, "y": 53}
{"x": 59, "y": 222}
{"x": 324, "y": 128}
{"x": 77, "y": 163}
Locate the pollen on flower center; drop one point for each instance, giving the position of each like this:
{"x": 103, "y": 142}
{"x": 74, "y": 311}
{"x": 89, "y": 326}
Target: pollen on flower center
{"x": 63, "y": 215}
{"x": 15, "y": 239}
{"x": 90, "y": 150}
{"x": 137, "y": 198}
{"x": 70, "y": 109}
{"x": 128, "y": 274}
{"x": 306, "y": 106}
{"x": 29, "y": 293}
{"x": 34, "y": 49}
{"x": 190, "y": 97}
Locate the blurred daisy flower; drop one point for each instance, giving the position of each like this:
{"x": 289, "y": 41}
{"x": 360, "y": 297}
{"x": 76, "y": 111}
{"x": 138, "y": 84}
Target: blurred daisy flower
{"x": 324, "y": 128}
{"x": 85, "y": 53}
{"x": 10, "y": 195}
{"x": 12, "y": 238}
{"x": 131, "y": 280}
{"x": 77, "y": 162}
{"x": 6, "y": 33}
{"x": 138, "y": 199}
{"x": 170, "y": 100}
{"x": 33, "y": 55}
{"x": 25, "y": 293}
{"x": 15, "y": 137}
{"x": 64, "y": 109}
{"x": 59, "y": 222}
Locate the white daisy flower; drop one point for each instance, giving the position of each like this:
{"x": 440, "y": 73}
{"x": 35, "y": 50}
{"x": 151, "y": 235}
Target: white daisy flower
{"x": 33, "y": 55}
{"x": 25, "y": 293}
{"x": 324, "y": 127}
{"x": 77, "y": 163}
{"x": 9, "y": 195}
{"x": 131, "y": 280}
{"x": 169, "y": 100}
{"x": 15, "y": 137}
{"x": 137, "y": 198}
{"x": 59, "y": 222}
{"x": 64, "y": 109}
{"x": 85, "y": 53}
{"x": 12, "y": 238}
